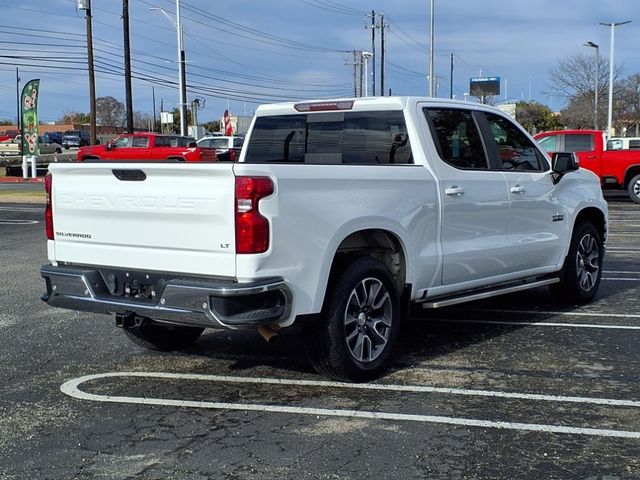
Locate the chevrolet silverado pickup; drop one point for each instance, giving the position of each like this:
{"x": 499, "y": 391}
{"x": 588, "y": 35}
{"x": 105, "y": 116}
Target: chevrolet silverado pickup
{"x": 148, "y": 147}
{"x": 617, "y": 169}
{"x": 338, "y": 215}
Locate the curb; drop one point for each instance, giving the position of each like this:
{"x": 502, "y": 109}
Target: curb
{"x": 21, "y": 180}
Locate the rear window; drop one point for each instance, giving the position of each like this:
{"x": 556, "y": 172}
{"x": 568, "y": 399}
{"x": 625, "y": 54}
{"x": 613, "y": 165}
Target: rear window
{"x": 369, "y": 138}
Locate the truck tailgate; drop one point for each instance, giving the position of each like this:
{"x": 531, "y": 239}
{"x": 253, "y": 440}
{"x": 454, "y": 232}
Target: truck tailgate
{"x": 170, "y": 217}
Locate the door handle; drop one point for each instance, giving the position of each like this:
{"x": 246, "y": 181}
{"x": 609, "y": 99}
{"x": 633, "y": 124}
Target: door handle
{"x": 517, "y": 189}
{"x": 454, "y": 191}
{"x": 590, "y": 157}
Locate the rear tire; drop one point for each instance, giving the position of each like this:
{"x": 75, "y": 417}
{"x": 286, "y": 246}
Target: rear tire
{"x": 580, "y": 276}
{"x": 634, "y": 189}
{"x": 359, "y": 324}
{"x": 164, "y": 338}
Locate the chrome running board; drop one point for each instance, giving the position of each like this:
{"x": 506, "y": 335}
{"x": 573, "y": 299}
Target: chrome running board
{"x": 479, "y": 295}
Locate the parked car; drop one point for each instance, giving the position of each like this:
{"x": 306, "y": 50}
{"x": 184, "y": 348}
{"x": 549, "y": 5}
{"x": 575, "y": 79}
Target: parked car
{"x": 54, "y": 137}
{"x": 623, "y": 143}
{"x": 12, "y": 147}
{"x": 9, "y": 135}
{"x": 76, "y": 138}
{"x": 337, "y": 215}
{"x": 227, "y": 148}
{"x": 148, "y": 146}
{"x": 617, "y": 169}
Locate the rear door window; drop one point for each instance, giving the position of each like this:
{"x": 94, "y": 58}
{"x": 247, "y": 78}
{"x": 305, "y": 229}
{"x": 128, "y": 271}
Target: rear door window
{"x": 367, "y": 138}
{"x": 140, "y": 142}
{"x": 578, "y": 143}
{"x": 457, "y": 138}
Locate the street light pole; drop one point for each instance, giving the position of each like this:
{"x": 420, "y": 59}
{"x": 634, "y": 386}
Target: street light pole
{"x": 597, "y": 83}
{"x": 431, "y": 39}
{"x": 365, "y": 65}
{"x": 613, "y": 25}
{"x": 182, "y": 82}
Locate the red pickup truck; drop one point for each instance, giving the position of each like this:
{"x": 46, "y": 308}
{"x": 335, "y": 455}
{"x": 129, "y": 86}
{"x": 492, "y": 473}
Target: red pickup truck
{"x": 616, "y": 168}
{"x": 148, "y": 146}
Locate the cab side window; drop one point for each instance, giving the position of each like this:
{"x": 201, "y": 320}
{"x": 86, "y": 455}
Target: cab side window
{"x": 457, "y": 138}
{"x": 121, "y": 142}
{"x": 549, "y": 144}
{"x": 516, "y": 151}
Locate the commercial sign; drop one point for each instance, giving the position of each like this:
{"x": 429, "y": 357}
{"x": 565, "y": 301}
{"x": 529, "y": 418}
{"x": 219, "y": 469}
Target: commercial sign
{"x": 484, "y": 86}
{"x": 29, "y": 104}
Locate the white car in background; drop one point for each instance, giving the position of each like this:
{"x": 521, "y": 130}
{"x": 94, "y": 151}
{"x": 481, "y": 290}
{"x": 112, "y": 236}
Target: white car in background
{"x": 227, "y": 148}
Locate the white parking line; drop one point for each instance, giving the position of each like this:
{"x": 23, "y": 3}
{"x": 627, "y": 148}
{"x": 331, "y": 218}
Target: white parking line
{"x": 71, "y": 388}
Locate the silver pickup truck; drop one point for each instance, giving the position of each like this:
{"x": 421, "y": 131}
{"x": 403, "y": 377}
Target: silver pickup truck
{"x": 11, "y": 148}
{"x": 337, "y": 216}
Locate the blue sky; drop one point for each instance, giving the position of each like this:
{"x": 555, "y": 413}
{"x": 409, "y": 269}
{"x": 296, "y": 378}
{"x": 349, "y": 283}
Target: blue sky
{"x": 244, "y": 52}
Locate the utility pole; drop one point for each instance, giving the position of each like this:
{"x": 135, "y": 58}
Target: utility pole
{"x": 355, "y": 78}
{"x": 373, "y": 54}
{"x": 86, "y": 6}
{"x": 127, "y": 64}
{"x": 361, "y": 73}
{"x": 382, "y": 49}
{"x": 431, "y": 40}
{"x": 183, "y": 79}
{"x": 18, "y": 99}
{"x": 451, "y": 79}
{"x": 153, "y": 99}
{"x": 354, "y": 64}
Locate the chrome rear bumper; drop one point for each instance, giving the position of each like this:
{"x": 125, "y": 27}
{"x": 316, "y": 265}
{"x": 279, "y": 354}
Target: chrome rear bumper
{"x": 207, "y": 303}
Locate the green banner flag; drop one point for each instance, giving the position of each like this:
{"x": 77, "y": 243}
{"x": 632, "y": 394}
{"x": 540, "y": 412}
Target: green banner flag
{"x": 29, "y": 104}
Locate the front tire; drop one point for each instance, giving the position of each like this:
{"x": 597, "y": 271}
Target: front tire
{"x": 164, "y": 338}
{"x": 359, "y": 323}
{"x": 580, "y": 277}
{"x": 633, "y": 189}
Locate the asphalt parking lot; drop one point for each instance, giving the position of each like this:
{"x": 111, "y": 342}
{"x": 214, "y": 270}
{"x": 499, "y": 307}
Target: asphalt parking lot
{"x": 514, "y": 387}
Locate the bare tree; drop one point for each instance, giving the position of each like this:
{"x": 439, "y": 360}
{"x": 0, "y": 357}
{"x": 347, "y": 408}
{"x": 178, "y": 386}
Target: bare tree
{"x": 575, "y": 76}
{"x": 142, "y": 121}
{"x": 628, "y": 104}
{"x": 71, "y": 116}
{"x": 110, "y": 112}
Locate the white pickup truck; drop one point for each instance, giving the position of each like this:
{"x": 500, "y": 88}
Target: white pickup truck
{"x": 338, "y": 215}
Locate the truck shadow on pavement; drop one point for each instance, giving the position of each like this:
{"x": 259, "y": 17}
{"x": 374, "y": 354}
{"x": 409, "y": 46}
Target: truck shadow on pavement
{"x": 426, "y": 335}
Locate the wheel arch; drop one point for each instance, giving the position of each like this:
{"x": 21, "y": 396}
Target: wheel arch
{"x": 631, "y": 172}
{"x": 378, "y": 243}
{"x": 596, "y": 217}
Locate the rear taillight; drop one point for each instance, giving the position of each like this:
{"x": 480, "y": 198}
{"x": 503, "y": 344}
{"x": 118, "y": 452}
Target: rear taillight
{"x": 252, "y": 229}
{"x": 48, "y": 210}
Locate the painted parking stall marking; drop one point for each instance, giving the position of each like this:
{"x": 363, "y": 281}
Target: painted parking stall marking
{"x": 72, "y": 389}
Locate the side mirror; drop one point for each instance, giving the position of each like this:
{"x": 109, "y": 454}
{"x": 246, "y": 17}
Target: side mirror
{"x": 192, "y": 145}
{"x": 563, "y": 163}
{"x": 109, "y": 146}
